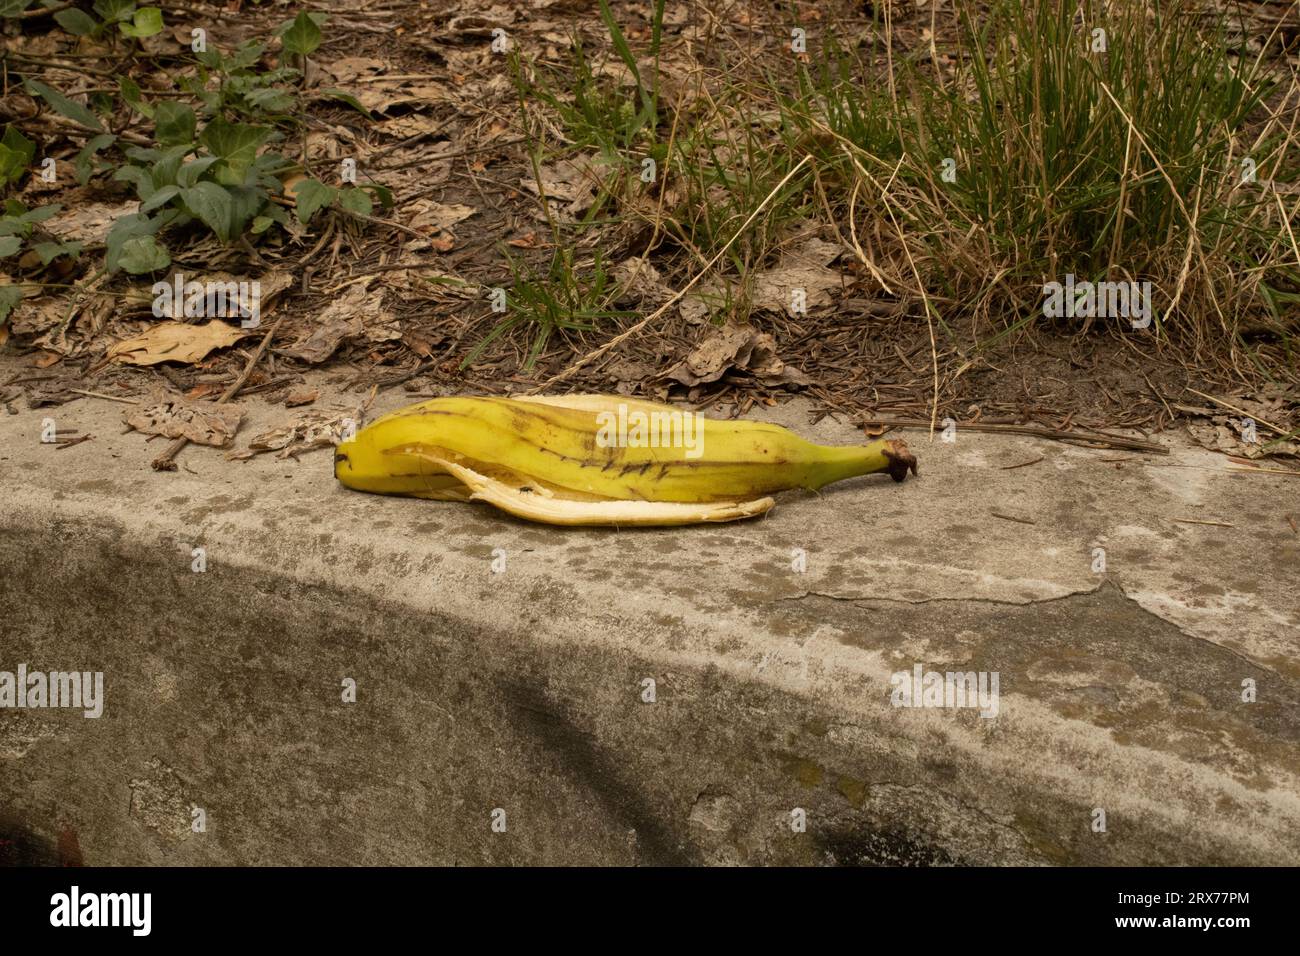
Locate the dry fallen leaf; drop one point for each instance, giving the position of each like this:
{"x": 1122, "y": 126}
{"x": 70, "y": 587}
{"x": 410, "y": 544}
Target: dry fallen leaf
{"x": 1229, "y": 435}
{"x": 313, "y": 430}
{"x": 176, "y": 342}
{"x": 570, "y": 186}
{"x": 803, "y": 268}
{"x": 1245, "y": 435}
{"x": 301, "y": 396}
{"x": 357, "y": 312}
{"x": 436, "y": 219}
{"x": 736, "y": 348}
{"x": 88, "y": 223}
{"x": 261, "y": 289}
{"x": 639, "y": 284}
{"x": 204, "y": 423}
{"x": 204, "y": 389}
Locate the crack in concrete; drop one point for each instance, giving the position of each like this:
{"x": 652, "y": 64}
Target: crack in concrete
{"x": 857, "y": 601}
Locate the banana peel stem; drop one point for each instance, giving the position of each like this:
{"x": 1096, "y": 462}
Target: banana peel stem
{"x": 901, "y": 460}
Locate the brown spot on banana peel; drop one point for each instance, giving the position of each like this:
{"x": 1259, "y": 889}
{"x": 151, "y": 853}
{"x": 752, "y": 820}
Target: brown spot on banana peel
{"x": 900, "y": 459}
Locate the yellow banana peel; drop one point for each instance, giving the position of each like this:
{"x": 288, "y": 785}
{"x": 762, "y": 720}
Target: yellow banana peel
{"x": 597, "y": 459}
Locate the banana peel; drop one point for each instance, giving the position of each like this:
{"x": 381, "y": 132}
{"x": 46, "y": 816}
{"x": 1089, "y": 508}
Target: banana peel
{"x": 543, "y": 506}
{"x": 547, "y": 459}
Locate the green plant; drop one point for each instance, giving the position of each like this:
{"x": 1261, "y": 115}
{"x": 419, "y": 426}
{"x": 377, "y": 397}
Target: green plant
{"x": 1100, "y": 140}
{"x": 311, "y": 195}
{"x": 16, "y": 152}
{"x": 17, "y": 222}
{"x": 593, "y": 109}
{"x": 241, "y": 88}
{"x": 301, "y": 36}
{"x": 209, "y": 163}
{"x": 17, "y": 229}
{"x": 131, "y": 21}
{"x": 559, "y": 300}
{"x": 1059, "y": 135}
{"x": 217, "y": 177}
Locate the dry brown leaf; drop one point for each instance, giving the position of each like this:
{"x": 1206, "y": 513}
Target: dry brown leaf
{"x": 36, "y": 314}
{"x": 427, "y": 215}
{"x": 1243, "y": 436}
{"x": 312, "y": 430}
{"x": 204, "y": 389}
{"x": 88, "y": 223}
{"x": 324, "y": 340}
{"x": 1228, "y": 435}
{"x": 266, "y": 286}
{"x": 205, "y": 423}
{"x": 805, "y": 268}
{"x": 347, "y": 69}
{"x": 176, "y": 342}
{"x": 570, "y": 186}
{"x": 640, "y": 284}
{"x": 740, "y": 349}
{"x": 436, "y": 219}
{"x": 301, "y": 396}
{"x": 357, "y": 312}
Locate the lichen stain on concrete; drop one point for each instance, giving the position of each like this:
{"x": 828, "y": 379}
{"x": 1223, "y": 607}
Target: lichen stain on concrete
{"x": 159, "y": 801}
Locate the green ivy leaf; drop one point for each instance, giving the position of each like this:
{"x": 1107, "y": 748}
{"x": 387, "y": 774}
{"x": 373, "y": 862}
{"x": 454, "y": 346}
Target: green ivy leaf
{"x": 131, "y": 93}
{"x": 273, "y": 212}
{"x": 382, "y": 193}
{"x": 86, "y": 158}
{"x": 61, "y": 104}
{"x": 10, "y": 296}
{"x": 160, "y": 198}
{"x": 143, "y": 254}
{"x": 310, "y": 195}
{"x": 147, "y": 22}
{"x": 114, "y": 10}
{"x": 173, "y": 123}
{"x": 137, "y": 177}
{"x": 211, "y": 203}
{"x": 270, "y": 99}
{"x": 40, "y": 214}
{"x": 245, "y": 202}
{"x": 49, "y": 251}
{"x": 245, "y": 55}
{"x": 77, "y": 22}
{"x": 270, "y": 215}
{"x": 142, "y": 154}
{"x": 168, "y": 165}
{"x": 189, "y": 174}
{"x": 356, "y": 200}
{"x": 11, "y": 8}
{"x": 126, "y": 228}
{"x": 302, "y": 36}
{"x": 16, "y": 152}
{"x": 348, "y": 98}
{"x": 236, "y": 145}
{"x": 9, "y": 245}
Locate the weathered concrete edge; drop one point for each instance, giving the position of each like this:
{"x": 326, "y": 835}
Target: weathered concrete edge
{"x": 1175, "y": 798}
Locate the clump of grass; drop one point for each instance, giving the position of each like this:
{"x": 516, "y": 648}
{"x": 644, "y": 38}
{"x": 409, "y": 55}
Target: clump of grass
{"x": 561, "y": 299}
{"x": 594, "y": 113}
{"x": 1117, "y": 163}
{"x": 1115, "y": 156}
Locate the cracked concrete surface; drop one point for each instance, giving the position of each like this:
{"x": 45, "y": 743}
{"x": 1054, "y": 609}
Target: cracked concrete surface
{"x": 525, "y": 691}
